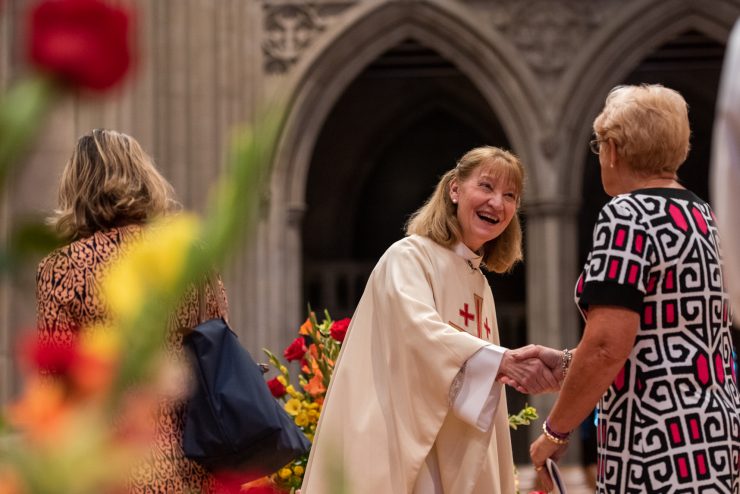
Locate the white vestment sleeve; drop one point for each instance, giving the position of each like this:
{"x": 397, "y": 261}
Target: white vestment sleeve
{"x": 479, "y": 393}
{"x": 726, "y": 166}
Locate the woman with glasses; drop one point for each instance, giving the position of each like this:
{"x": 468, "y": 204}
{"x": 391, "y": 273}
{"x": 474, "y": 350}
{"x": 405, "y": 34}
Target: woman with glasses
{"x": 656, "y": 354}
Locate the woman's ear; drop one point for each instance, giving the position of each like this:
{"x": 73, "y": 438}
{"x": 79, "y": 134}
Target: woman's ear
{"x": 454, "y": 191}
{"x": 613, "y": 156}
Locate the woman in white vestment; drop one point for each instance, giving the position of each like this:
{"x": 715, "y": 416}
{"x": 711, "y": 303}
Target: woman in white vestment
{"x": 415, "y": 404}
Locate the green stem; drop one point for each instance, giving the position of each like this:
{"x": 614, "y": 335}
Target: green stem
{"x": 22, "y": 110}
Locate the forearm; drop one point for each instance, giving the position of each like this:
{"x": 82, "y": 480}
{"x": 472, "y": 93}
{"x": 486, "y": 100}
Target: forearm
{"x": 590, "y": 375}
{"x": 607, "y": 342}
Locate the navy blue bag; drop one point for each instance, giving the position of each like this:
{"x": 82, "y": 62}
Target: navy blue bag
{"x": 232, "y": 421}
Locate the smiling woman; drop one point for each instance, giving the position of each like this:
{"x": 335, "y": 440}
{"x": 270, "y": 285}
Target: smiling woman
{"x": 415, "y": 404}
{"x": 486, "y": 202}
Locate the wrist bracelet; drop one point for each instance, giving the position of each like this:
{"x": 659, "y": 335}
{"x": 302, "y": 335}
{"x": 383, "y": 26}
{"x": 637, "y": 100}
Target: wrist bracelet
{"x": 555, "y": 437}
{"x": 565, "y": 359}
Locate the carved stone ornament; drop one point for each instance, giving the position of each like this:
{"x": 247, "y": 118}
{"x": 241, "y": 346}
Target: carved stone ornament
{"x": 549, "y": 32}
{"x": 289, "y": 30}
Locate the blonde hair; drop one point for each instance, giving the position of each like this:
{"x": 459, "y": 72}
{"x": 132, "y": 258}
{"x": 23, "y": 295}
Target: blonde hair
{"x": 649, "y": 124}
{"x": 437, "y": 218}
{"x": 109, "y": 181}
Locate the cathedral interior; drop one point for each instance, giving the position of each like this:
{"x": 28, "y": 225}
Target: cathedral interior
{"x": 382, "y": 97}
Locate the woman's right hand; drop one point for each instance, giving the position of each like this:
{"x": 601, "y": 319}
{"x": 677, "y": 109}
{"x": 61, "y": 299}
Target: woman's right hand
{"x": 528, "y": 370}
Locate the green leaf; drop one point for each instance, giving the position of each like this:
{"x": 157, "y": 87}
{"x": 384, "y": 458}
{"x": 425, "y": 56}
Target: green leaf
{"x": 22, "y": 109}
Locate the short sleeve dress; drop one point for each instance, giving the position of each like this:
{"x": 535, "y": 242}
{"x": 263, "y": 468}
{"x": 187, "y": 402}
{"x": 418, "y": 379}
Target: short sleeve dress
{"x": 68, "y": 298}
{"x": 670, "y": 421}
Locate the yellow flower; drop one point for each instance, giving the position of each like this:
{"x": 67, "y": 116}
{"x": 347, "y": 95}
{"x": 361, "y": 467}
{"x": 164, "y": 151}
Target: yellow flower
{"x": 298, "y": 470}
{"x": 285, "y": 473}
{"x": 313, "y": 415}
{"x": 292, "y": 392}
{"x": 151, "y": 264}
{"x": 301, "y": 419}
{"x": 282, "y": 380}
{"x": 284, "y": 370}
{"x": 293, "y": 406}
{"x": 309, "y": 436}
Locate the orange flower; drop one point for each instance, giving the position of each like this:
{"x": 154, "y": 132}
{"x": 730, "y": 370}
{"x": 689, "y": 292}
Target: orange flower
{"x": 306, "y": 327}
{"x": 315, "y": 386}
{"x": 41, "y": 411}
{"x": 10, "y": 483}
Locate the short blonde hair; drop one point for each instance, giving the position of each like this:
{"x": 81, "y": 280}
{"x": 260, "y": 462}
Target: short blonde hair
{"x": 109, "y": 181}
{"x": 437, "y": 218}
{"x": 649, "y": 124}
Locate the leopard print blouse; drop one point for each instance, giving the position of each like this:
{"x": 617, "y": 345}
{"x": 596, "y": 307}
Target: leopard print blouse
{"x": 68, "y": 297}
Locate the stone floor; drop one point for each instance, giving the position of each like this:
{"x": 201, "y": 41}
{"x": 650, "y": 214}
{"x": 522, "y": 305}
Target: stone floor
{"x": 577, "y": 479}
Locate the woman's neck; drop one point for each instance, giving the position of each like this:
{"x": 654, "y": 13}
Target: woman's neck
{"x": 667, "y": 181}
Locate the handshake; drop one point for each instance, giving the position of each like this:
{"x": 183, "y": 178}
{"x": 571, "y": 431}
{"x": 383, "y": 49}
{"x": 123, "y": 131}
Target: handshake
{"x": 532, "y": 369}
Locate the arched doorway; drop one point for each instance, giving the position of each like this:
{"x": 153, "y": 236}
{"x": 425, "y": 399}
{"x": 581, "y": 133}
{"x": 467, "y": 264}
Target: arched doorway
{"x": 404, "y": 121}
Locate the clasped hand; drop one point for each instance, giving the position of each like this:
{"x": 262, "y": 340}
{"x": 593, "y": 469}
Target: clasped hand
{"x": 532, "y": 369}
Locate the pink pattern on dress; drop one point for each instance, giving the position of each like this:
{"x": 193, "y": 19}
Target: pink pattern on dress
{"x": 700, "y": 221}
{"x": 719, "y": 369}
{"x": 702, "y": 369}
{"x": 678, "y": 218}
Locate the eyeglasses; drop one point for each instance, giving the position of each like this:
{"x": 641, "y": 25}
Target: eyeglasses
{"x": 595, "y": 145}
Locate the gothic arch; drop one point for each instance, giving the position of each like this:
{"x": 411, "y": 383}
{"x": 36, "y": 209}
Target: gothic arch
{"x": 487, "y": 59}
{"x": 616, "y": 50}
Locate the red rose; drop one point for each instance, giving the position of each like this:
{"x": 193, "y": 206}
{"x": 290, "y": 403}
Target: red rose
{"x": 51, "y": 357}
{"x": 338, "y": 329}
{"x": 295, "y": 350}
{"x": 276, "y": 388}
{"x": 83, "y": 42}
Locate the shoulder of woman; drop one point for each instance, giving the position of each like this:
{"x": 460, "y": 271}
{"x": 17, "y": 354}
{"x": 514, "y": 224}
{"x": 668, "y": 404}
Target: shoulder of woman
{"x": 622, "y": 206}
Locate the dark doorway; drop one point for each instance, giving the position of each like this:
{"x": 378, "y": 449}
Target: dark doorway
{"x": 398, "y": 127}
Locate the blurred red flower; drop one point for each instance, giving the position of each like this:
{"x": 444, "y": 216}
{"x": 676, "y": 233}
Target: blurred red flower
{"x": 295, "y": 350}
{"x": 82, "y": 42}
{"x": 50, "y": 357}
{"x": 276, "y": 388}
{"x": 338, "y": 329}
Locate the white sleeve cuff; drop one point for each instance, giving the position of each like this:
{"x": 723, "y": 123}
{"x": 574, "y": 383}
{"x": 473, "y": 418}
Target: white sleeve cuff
{"x": 479, "y": 393}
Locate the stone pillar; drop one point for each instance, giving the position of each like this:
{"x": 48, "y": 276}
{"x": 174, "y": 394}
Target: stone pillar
{"x": 552, "y": 318}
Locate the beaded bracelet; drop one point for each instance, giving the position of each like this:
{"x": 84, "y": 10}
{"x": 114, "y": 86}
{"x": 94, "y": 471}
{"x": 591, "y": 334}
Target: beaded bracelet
{"x": 554, "y": 437}
{"x": 565, "y": 359}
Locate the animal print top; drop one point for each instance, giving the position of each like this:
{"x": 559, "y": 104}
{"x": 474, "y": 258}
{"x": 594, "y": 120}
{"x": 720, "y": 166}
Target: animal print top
{"x": 68, "y": 297}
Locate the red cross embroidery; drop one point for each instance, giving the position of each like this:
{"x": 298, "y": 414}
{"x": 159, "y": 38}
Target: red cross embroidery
{"x": 488, "y": 329}
{"x": 466, "y": 315}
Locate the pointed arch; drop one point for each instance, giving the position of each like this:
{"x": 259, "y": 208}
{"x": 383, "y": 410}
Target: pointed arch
{"x": 487, "y": 59}
{"x": 613, "y": 54}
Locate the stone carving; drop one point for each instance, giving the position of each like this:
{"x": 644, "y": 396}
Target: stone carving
{"x": 291, "y": 27}
{"x": 549, "y": 32}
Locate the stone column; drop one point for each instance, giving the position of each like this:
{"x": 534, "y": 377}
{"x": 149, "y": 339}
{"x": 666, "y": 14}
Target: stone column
{"x": 552, "y": 318}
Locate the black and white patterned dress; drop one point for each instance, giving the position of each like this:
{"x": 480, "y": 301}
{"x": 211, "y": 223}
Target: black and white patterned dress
{"x": 670, "y": 421}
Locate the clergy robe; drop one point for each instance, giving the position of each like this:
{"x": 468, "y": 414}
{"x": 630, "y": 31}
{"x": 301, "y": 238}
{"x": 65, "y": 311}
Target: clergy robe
{"x": 425, "y": 312}
{"x": 726, "y": 166}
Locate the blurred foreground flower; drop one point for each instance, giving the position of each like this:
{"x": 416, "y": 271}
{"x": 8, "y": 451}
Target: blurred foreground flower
{"x": 151, "y": 266}
{"x": 81, "y": 42}
{"x": 85, "y": 413}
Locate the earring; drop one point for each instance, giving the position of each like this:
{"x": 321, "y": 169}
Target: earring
{"x": 454, "y": 201}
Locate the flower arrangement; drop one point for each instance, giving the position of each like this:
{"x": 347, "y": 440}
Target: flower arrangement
{"x": 317, "y": 348}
